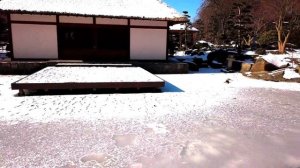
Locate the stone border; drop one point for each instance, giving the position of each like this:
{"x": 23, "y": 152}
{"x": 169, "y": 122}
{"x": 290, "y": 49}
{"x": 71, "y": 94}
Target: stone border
{"x": 29, "y": 67}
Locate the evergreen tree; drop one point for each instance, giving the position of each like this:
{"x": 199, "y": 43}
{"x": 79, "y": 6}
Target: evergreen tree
{"x": 239, "y": 26}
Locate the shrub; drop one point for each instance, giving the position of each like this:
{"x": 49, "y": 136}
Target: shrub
{"x": 267, "y": 37}
{"x": 261, "y": 51}
{"x": 218, "y": 55}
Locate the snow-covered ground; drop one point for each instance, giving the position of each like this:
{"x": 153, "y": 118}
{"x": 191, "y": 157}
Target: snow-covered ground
{"x": 90, "y": 75}
{"x": 181, "y": 90}
{"x": 197, "y": 120}
{"x": 180, "y": 55}
{"x": 282, "y": 60}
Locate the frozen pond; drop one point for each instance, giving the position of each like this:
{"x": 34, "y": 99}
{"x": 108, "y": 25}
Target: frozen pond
{"x": 198, "y": 121}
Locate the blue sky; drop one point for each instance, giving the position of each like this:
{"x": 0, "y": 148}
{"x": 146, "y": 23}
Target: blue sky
{"x": 189, "y": 5}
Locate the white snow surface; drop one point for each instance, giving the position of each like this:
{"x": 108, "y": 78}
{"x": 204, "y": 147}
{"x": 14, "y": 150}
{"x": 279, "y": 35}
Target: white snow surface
{"x": 182, "y": 56}
{"x": 249, "y": 53}
{"x": 282, "y": 60}
{"x": 90, "y": 75}
{"x": 118, "y": 8}
{"x": 182, "y": 26}
{"x": 180, "y": 53}
{"x": 181, "y": 94}
{"x": 205, "y": 42}
{"x": 290, "y": 74}
{"x": 277, "y": 60}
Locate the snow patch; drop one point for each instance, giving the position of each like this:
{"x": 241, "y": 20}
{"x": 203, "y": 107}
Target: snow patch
{"x": 250, "y": 53}
{"x": 290, "y": 74}
{"x": 277, "y": 60}
{"x": 182, "y": 26}
{"x": 180, "y": 53}
{"x": 205, "y": 42}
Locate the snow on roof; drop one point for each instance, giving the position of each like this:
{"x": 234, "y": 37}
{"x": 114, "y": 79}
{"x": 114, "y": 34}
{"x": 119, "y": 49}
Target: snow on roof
{"x": 205, "y": 42}
{"x": 182, "y": 26}
{"x": 146, "y": 9}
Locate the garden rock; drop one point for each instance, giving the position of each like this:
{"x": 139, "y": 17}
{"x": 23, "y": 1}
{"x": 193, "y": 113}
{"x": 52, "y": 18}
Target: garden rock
{"x": 198, "y": 61}
{"x": 217, "y": 56}
{"x": 262, "y": 65}
{"x": 298, "y": 69}
{"x": 246, "y": 67}
{"x": 192, "y": 66}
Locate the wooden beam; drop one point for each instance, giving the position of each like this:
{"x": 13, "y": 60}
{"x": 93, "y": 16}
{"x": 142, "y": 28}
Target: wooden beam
{"x": 97, "y": 85}
{"x": 10, "y": 39}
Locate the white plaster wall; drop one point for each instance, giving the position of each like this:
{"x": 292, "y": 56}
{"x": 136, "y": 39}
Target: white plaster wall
{"x": 35, "y": 18}
{"x": 108, "y": 21}
{"x": 148, "y": 44}
{"x": 34, "y": 41}
{"x": 134, "y": 22}
{"x": 75, "y": 19}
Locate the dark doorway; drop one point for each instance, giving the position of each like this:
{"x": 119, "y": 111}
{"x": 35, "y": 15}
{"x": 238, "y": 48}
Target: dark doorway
{"x": 94, "y": 43}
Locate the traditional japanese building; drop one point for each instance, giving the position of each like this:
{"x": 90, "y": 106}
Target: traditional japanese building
{"x": 108, "y": 30}
{"x": 182, "y": 33}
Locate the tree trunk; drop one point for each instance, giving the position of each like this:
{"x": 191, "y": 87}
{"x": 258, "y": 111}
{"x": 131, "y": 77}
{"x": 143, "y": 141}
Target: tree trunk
{"x": 281, "y": 47}
{"x": 248, "y": 40}
{"x": 282, "y": 38}
{"x": 282, "y": 44}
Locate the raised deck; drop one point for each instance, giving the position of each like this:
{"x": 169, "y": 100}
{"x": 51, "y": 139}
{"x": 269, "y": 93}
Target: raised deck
{"x": 88, "y": 77}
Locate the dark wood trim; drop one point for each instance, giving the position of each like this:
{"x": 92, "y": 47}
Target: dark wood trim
{"x": 129, "y": 38}
{"x": 77, "y": 24}
{"x": 43, "y": 60}
{"x": 96, "y": 85}
{"x": 58, "y": 41}
{"x": 149, "y": 27}
{"x": 57, "y": 19}
{"x": 110, "y": 25}
{"x": 34, "y": 22}
{"x": 95, "y": 37}
{"x": 94, "y": 20}
{"x": 95, "y": 33}
{"x": 11, "y": 44}
{"x": 167, "y": 46}
{"x": 88, "y": 25}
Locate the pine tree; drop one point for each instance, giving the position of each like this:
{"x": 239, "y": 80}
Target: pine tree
{"x": 239, "y": 26}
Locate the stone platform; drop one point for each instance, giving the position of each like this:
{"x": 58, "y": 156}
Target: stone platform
{"x": 88, "y": 77}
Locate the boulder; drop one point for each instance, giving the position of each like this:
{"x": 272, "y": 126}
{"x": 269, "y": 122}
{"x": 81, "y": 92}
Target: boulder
{"x": 246, "y": 67}
{"x": 298, "y": 69}
{"x": 198, "y": 61}
{"x": 262, "y": 65}
{"x": 218, "y": 55}
{"x": 192, "y": 66}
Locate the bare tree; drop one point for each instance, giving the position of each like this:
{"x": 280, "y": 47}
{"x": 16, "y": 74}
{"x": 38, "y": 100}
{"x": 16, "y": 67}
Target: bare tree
{"x": 286, "y": 19}
{"x": 283, "y": 14}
